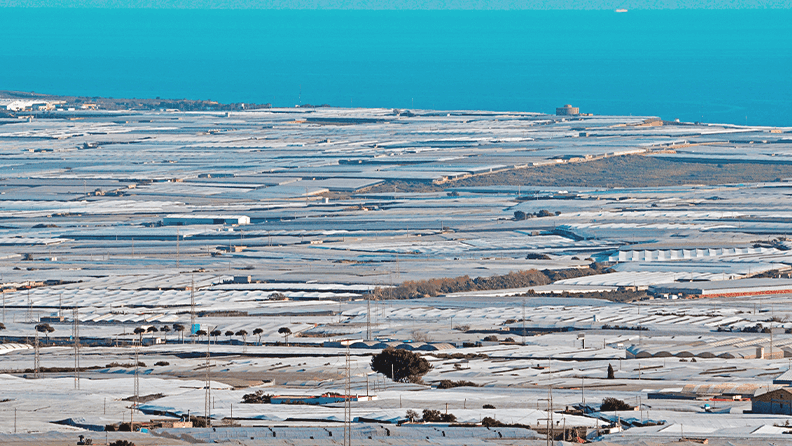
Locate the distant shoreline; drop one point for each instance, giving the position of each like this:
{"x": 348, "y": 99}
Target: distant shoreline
{"x": 105, "y": 103}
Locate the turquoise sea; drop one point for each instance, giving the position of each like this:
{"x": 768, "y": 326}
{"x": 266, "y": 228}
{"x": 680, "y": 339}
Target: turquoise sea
{"x": 695, "y": 65}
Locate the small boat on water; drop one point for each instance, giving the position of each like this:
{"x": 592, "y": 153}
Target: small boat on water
{"x": 621, "y": 10}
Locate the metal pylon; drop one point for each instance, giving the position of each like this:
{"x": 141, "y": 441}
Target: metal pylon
{"x": 208, "y": 391}
{"x": 368, "y": 320}
{"x": 76, "y": 338}
{"x": 192, "y": 307}
{"x": 29, "y": 313}
{"x": 36, "y": 356}
{"x": 137, "y": 376}
{"x": 348, "y": 400}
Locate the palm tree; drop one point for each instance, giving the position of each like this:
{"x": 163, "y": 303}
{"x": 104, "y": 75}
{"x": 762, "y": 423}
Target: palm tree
{"x": 229, "y": 333}
{"x": 285, "y": 331}
{"x": 258, "y": 331}
{"x": 46, "y": 329}
{"x": 216, "y": 333}
{"x": 200, "y": 333}
{"x": 165, "y": 329}
{"x": 244, "y": 334}
{"x": 180, "y": 329}
{"x": 139, "y": 331}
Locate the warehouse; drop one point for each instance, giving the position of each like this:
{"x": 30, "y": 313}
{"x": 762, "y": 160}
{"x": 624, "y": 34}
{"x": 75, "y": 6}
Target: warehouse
{"x": 725, "y": 288}
{"x": 775, "y": 402}
{"x": 189, "y": 219}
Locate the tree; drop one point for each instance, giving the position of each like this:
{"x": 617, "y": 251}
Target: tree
{"x": 491, "y": 422}
{"x": 200, "y": 333}
{"x": 431, "y": 415}
{"x": 411, "y": 415}
{"x": 216, "y": 333}
{"x": 152, "y": 329}
{"x": 46, "y": 329}
{"x": 613, "y": 404}
{"x": 2, "y": 326}
{"x": 285, "y": 332}
{"x": 491, "y": 338}
{"x": 519, "y": 215}
{"x": 611, "y": 373}
{"x": 258, "y": 332}
{"x": 165, "y": 329}
{"x": 259, "y": 397}
{"x": 180, "y": 329}
{"x": 122, "y": 443}
{"x": 436, "y": 416}
{"x": 139, "y": 331}
{"x": 400, "y": 365}
{"x": 229, "y": 333}
{"x": 244, "y": 334}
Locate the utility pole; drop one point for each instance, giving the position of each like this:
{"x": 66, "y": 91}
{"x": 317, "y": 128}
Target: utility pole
{"x": 348, "y": 400}
{"x": 36, "y": 356}
{"x": 29, "y": 315}
{"x": 136, "y": 379}
{"x": 177, "y": 247}
{"x": 192, "y": 307}
{"x": 523, "y": 322}
{"x": 551, "y": 439}
{"x": 76, "y": 338}
{"x": 208, "y": 393}
{"x": 368, "y": 320}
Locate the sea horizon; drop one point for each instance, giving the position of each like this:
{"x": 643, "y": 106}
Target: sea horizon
{"x": 666, "y": 63}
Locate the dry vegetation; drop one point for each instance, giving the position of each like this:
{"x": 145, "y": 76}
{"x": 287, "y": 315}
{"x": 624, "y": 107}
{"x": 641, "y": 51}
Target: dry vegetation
{"x": 519, "y": 279}
{"x": 620, "y": 171}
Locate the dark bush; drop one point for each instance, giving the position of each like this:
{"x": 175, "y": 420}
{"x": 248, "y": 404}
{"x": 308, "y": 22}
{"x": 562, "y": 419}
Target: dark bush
{"x": 259, "y": 397}
{"x": 434, "y": 416}
{"x": 448, "y": 418}
{"x": 613, "y": 404}
{"x": 431, "y": 415}
{"x": 161, "y": 363}
{"x": 491, "y": 422}
{"x": 488, "y": 406}
{"x": 404, "y": 365}
{"x": 448, "y": 384}
{"x": 491, "y": 338}
{"x": 537, "y": 256}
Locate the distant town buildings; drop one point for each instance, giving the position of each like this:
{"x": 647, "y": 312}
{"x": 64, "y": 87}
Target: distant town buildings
{"x": 27, "y": 105}
{"x": 567, "y": 110}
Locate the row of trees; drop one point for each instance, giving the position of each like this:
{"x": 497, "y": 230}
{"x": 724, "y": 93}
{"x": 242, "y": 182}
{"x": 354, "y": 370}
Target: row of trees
{"x": 46, "y": 329}
{"x": 180, "y": 328}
